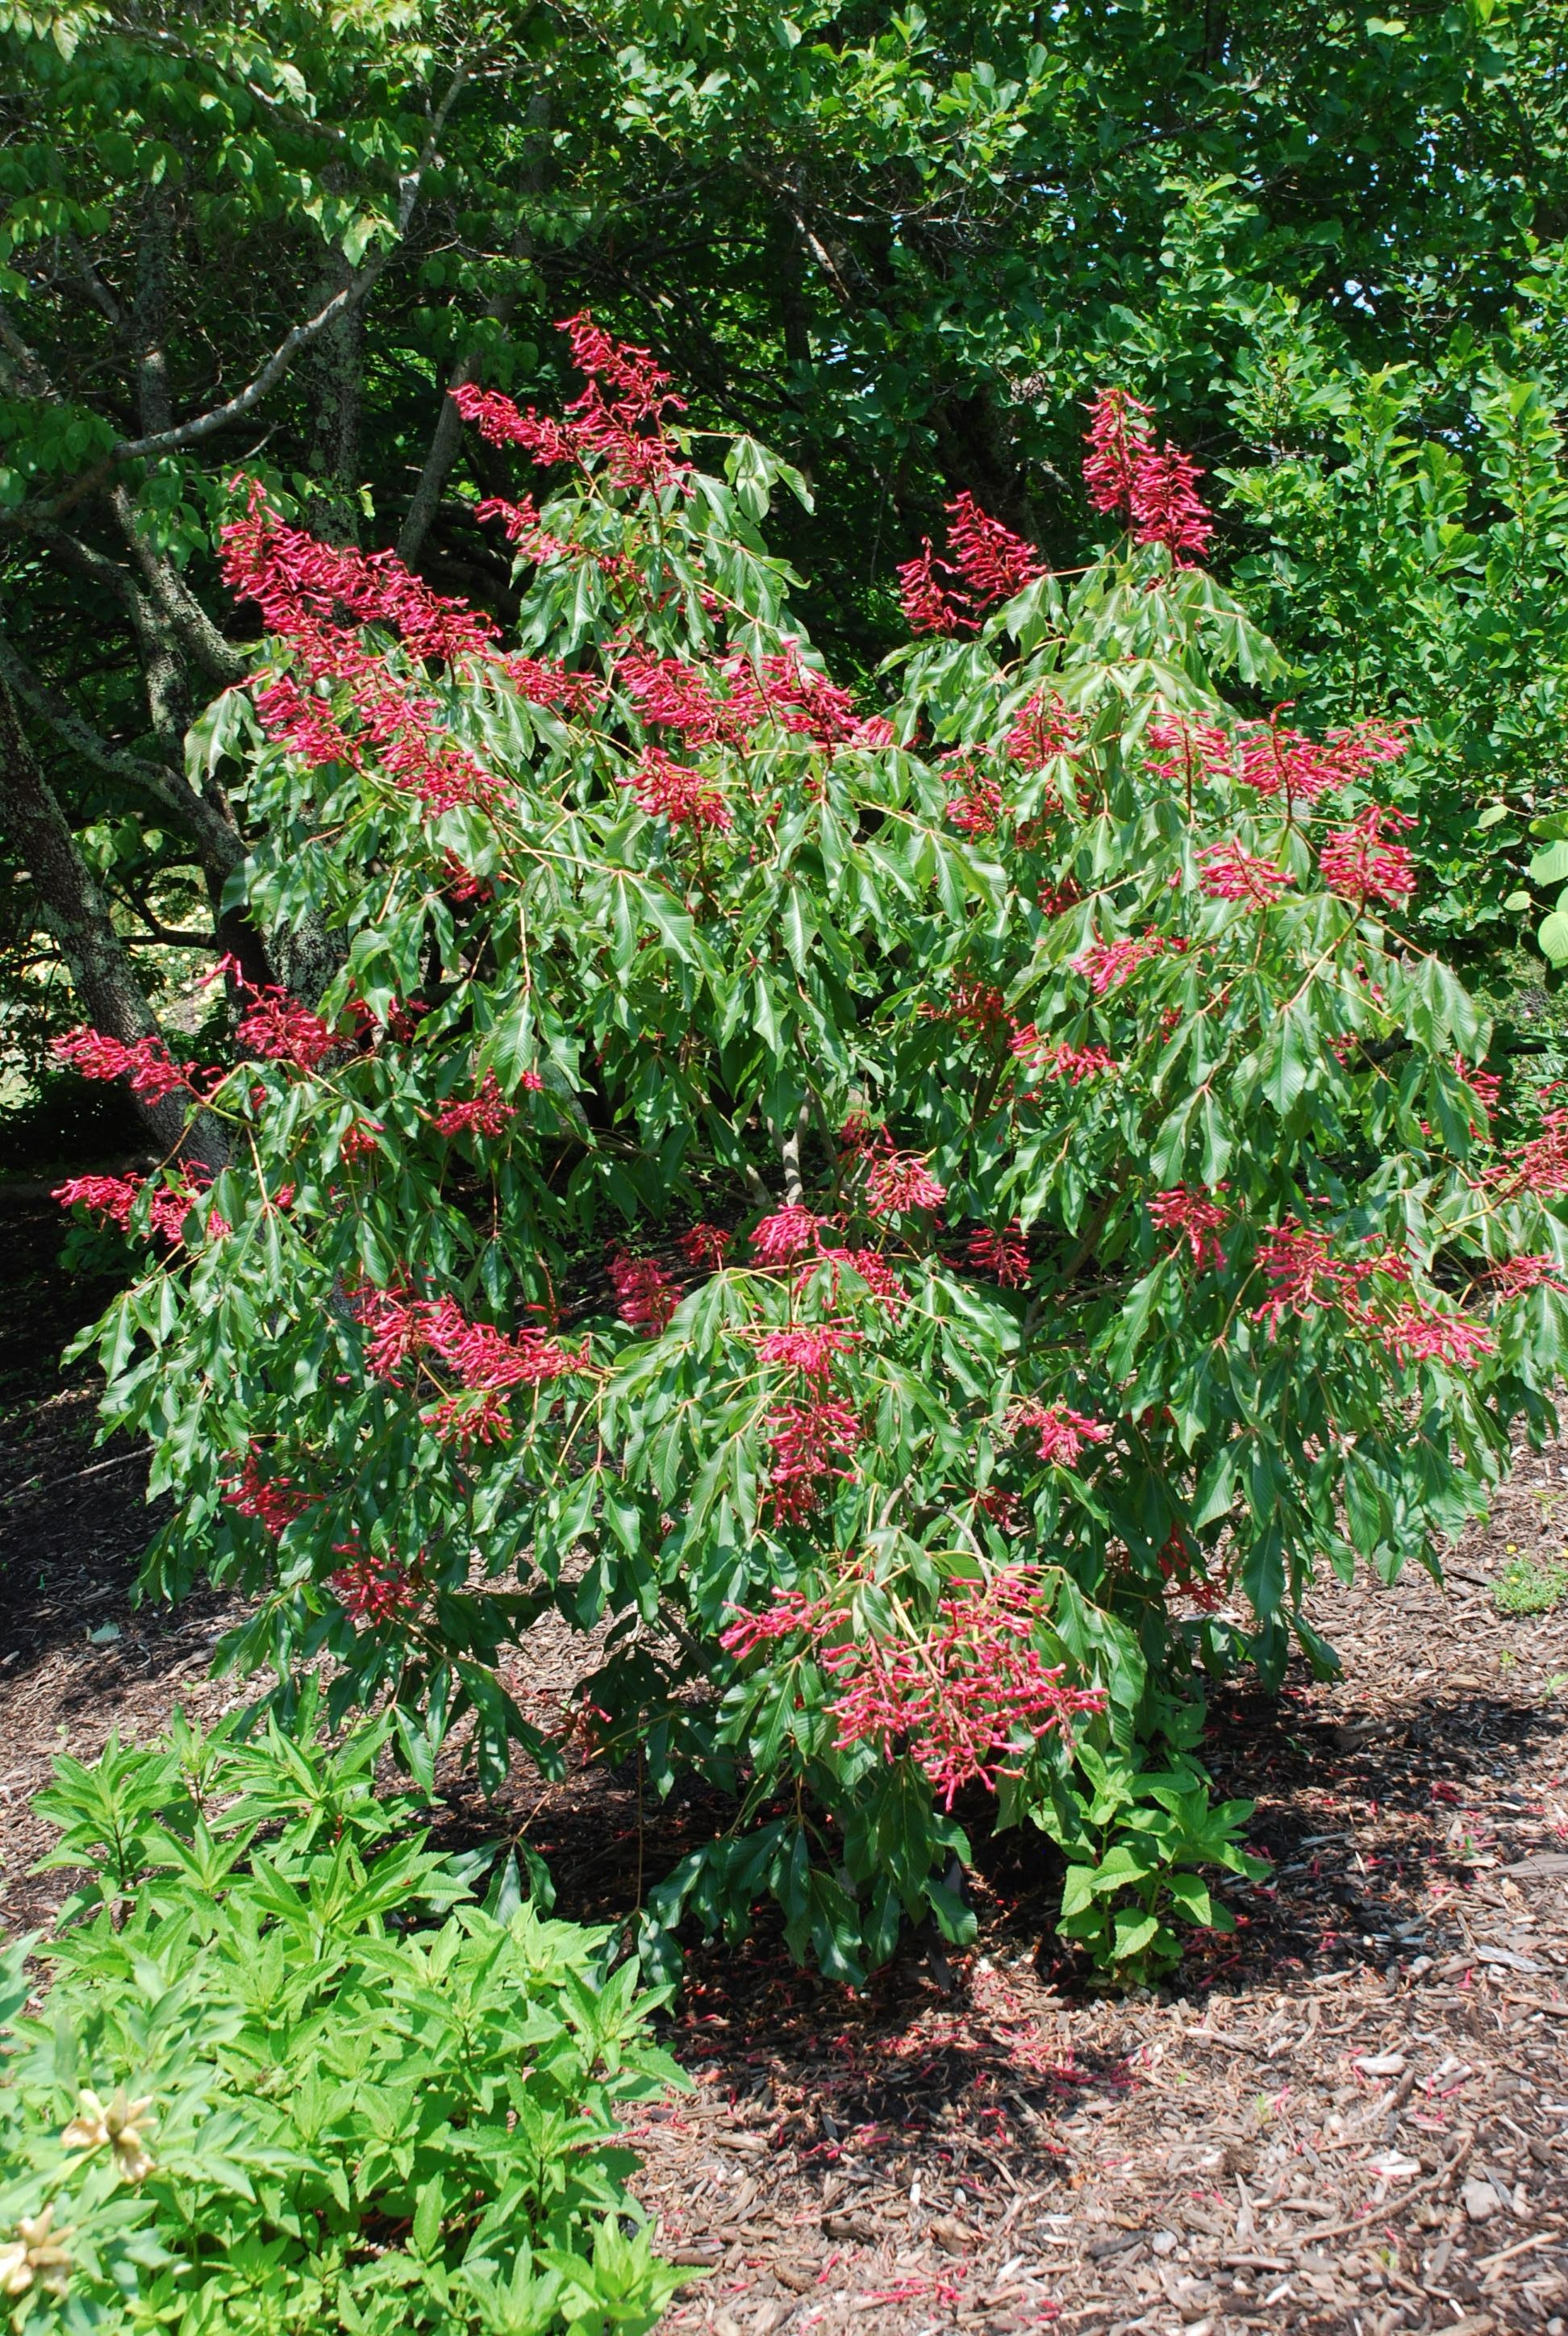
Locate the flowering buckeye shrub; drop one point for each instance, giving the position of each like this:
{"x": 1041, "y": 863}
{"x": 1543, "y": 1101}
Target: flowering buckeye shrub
{"x": 934, "y": 1219}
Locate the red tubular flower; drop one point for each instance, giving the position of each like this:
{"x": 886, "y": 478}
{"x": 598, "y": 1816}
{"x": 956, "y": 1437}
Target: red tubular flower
{"x": 1356, "y": 860}
{"x": 1229, "y": 872}
{"x": 1197, "y": 1217}
{"x": 273, "y": 1501}
{"x": 786, "y": 1236}
{"x": 622, "y": 432}
{"x": 873, "y": 1268}
{"x": 1004, "y": 1255}
{"x": 976, "y": 1007}
{"x": 899, "y": 1181}
{"x": 1183, "y": 1566}
{"x": 667, "y": 790}
{"x": 1305, "y": 1277}
{"x": 670, "y": 694}
{"x": 520, "y": 522}
{"x": 992, "y": 561}
{"x": 485, "y": 1114}
{"x": 926, "y": 605}
{"x": 1118, "y": 441}
{"x": 300, "y": 584}
{"x": 1062, "y": 1432}
{"x": 647, "y": 1295}
{"x": 466, "y": 1419}
{"x": 112, "y": 1197}
{"x": 304, "y": 724}
{"x": 1415, "y": 1336}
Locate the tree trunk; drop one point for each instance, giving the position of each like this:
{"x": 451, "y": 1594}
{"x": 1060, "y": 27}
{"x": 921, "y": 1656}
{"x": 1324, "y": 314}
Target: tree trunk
{"x": 76, "y": 916}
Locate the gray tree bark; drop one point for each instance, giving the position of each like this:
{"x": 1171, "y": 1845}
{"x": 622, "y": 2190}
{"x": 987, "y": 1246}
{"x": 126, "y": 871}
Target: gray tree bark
{"x": 76, "y": 916}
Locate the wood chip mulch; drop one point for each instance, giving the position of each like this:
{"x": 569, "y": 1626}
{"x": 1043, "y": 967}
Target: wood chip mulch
{"x": 1350, "y": 2115}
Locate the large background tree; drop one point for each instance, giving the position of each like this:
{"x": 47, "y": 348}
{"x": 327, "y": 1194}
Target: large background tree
{"x": 901, "y": 247}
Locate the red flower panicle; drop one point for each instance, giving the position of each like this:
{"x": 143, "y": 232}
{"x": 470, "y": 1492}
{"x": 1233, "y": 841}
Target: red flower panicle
{"x": 279, "y": 1029}
{"x": 957, "y": 1699}
{"x": 1166, "y": 507}
{"x": 1180, "y": 749}
{"x": 1359, "y": 860}
{"x": 1540, "y": 1165}
{"x": 111, "y": 1197}
{"x": 902, "y": 1181}
{"x": 705, "y": 1247}
{"x": 1118, "y": 440}
{"x": 1108, "y": 964}
{"x": 520, "y": 522}
{"x": 273, "y": 1501}
{"x": 810, "y": 1347}
{"x": 1416, "y": 1336}
{"x": 1061, "y": 1060}
{"x": 1275, "y": 760}
{"x": 1062, "y": 1432}
{"x": 646, "y": 1295}
{"x": 1183, "y": 1566}
{"x": 372, "y": 1590}
{"x": 673, "y": 791}
{"x": 808, "y": 1443}
{"x": 1229, "y": 872}
{"x": 616, "y": 426}
{"x": 926, "y": 605}
{"x": 146, "y": 1063}
{"x": 1157, "y": 487}
{"x": 400, "y": 1327}
{"x": 990, "y": 559}
{"x": 1515, "y": 1277}
{"x": 484, "y": 1113}
{"x": 786, "y": 1236}
{"x": 302, "y": 586}
{"x": 1305, "y": 1276}
{"x": 1043, "y": 729}
{"x": 1196, "y": 1216}
{"x": 1004, "y": 1255}
{"x": 979, "y": 811}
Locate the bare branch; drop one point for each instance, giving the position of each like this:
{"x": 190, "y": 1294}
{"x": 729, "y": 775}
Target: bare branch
{"x": 199, "y": 635}
{"x": 447, "y": 435}
{"x": 74, "y": 912}
{"x": 234, "y": 409}
{"x": 222, "y": 846}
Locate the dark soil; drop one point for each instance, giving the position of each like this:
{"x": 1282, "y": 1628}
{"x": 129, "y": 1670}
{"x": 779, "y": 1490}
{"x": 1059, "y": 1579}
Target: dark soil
{"x": 1351, "y": 2116}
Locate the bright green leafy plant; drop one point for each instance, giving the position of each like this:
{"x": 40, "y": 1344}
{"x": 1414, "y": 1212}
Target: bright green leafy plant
{"x": 1528, "y": 1585}
{"x": 289, "y": 2075}
{"x": 934, "y": 1220}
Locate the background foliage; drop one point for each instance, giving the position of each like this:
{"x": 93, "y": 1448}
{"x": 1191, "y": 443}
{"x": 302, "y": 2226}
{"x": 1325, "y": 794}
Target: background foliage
{"x": 902, "y": 249}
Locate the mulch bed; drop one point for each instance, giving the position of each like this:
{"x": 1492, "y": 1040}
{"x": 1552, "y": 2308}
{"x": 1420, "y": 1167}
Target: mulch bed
{"x": 1351, "y": 2115}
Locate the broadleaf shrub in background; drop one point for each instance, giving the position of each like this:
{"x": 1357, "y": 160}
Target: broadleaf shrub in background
{"x": 287, "y": 2074}
{"x": 933, "y": 1219}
